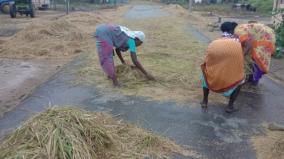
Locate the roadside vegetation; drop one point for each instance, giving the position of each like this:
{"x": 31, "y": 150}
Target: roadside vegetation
{"x": 225, "y": 8}
{"x": 280, "y": 41}
{"x": 263, "y": 6}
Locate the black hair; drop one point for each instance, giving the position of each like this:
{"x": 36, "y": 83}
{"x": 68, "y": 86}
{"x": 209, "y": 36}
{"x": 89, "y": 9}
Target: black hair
{"x": 228, "y": 27}
{"x": 234, "y": 25}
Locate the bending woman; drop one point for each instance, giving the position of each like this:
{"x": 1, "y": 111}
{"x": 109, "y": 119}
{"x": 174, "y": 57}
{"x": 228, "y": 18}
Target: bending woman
{"x": 223, "y": 67}
{"x": 110, "y": 37}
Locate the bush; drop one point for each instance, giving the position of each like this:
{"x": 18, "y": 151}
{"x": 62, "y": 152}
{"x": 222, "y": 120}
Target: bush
{"x": 263, "y": 6}
{"x": 279, "y": 41}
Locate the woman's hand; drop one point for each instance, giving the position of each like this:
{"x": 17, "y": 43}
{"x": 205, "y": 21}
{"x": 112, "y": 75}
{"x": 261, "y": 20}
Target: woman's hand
{"x": 150, "y": 77}
{"x": 140, "y": 67}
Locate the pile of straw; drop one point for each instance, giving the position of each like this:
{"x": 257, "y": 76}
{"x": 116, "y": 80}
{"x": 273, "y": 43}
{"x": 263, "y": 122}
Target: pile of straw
{"x": 86, "y": 21}
{"x": 129, "y": 74}
{"x": 65, "y": 36}
{"x": 69, "y": 133}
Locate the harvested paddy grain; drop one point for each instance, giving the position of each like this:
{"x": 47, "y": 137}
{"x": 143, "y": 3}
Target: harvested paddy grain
{"x": 70, "y": 133}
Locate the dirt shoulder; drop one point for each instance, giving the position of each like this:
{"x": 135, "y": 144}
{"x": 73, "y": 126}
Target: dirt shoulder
{"x": 19, "y": 78}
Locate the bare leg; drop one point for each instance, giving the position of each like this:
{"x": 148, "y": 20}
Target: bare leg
{"x": 205, "y": 98}
{"x": 233, "y": 97}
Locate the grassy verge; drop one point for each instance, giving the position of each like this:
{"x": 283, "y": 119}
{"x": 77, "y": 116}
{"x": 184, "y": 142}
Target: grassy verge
{"x": 263, "y": 8}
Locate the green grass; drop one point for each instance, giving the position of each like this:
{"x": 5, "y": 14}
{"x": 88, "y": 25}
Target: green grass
{"x": 85, "y": 5}
{"x": 216, "y": 8}
{"x": 262, "y": 6}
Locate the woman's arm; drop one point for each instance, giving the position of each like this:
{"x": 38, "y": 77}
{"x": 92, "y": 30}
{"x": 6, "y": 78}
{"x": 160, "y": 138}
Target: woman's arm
{"x": 140, "y": 67}
{"x": 118, "y": 52}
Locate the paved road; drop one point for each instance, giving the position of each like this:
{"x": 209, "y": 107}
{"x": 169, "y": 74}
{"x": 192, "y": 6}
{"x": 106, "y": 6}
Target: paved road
{"x": 214, "y": 134}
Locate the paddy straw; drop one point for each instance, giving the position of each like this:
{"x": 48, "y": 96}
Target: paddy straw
{"x": 70, "y": 133}
{"x": 63, "y": 37}
{"x": 269, "y": 145}
{"x": 171, "y": 54}
{"x": 128, "y": 74}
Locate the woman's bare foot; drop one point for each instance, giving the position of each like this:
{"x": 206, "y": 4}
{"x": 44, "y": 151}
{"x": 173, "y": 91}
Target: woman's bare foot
{"x": 204, "y": 105}
{"x": 115, "y": 82}
{"x": 231, "y": 110}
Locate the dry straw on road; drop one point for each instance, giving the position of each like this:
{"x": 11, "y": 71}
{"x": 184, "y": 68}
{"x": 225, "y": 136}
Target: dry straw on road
{"x": 270, "y": 145}
{"x": 129, "y": 74}
{"x": 69, "y": 133}
{"x": 171, "y": 54}
{"x": 58, "y": 38}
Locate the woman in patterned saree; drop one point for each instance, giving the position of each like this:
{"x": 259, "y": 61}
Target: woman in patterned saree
{"x": 263, "y": 46}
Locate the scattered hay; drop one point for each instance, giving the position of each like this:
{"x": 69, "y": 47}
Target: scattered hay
{"x": 170, "y": 54}
{"x": 67, "y": 133}
{"x": 269, "y": 146}
{"x": 2, "y": 42}
{"x": 176, "y": 10}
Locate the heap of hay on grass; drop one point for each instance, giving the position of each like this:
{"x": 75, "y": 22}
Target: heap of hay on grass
{"x": 69, "y": 133}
